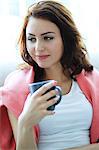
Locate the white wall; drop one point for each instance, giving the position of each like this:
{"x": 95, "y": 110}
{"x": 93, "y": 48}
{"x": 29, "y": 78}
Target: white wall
{"x": 86, "y": 16}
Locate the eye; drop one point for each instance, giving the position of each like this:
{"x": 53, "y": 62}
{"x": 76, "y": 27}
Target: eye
{"x": 47, "y": 38}
{"x": 32, "y": 39}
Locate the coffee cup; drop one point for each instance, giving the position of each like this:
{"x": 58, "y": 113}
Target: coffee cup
{"x": 35, "y": 86}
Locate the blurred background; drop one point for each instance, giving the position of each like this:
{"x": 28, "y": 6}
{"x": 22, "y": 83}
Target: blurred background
{"x": 85, "y": 14}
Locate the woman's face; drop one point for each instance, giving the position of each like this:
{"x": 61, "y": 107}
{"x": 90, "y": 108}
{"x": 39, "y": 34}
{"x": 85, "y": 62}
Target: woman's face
{"x": 44, "y": 42}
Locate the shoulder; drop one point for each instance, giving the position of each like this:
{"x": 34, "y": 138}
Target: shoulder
{"x": 93, "y": 75}
{"x": 89, "y": 79}
{"x": 15, "y": 89}
{"x": 19, "y": 76}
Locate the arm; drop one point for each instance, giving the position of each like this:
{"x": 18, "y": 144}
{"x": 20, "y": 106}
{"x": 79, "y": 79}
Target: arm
{"x": 27, "y": 136}
{"x": 35, "y": 108}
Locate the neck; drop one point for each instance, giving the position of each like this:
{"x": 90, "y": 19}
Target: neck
{"x": 63, "y": 79}
{"x": 56, "y": 74}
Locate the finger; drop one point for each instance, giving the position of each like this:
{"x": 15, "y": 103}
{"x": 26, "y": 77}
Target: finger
{"x": 48, "y": 112}
{"x": 51, "y": 102}
{"x": 45, "y": 87}
{"x": 49, "y": 95}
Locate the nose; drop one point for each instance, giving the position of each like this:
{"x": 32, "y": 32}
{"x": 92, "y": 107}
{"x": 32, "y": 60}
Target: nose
{"x": 39, "y": 45}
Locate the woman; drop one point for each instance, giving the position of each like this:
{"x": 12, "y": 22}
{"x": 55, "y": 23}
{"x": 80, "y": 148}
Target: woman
{"x": 52, "y": 46}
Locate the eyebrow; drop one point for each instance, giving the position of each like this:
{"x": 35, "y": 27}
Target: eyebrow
{"x": 42, "y": 33}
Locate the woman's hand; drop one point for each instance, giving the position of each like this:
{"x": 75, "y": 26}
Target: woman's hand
{"x": 35, "y": 107}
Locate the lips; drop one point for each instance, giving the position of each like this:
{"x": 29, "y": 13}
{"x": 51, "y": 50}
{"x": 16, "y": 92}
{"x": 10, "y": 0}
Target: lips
{"x": 42, "y": 57}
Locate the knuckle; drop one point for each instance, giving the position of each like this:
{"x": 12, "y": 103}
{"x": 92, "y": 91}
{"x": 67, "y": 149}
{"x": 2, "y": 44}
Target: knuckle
{"x": 52, "y": 92}
{"x": 51, "y": 102}
{"x": 44, "y": 87}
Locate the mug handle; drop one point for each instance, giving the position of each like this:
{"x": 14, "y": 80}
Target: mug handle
{"x": 60, "y": 94}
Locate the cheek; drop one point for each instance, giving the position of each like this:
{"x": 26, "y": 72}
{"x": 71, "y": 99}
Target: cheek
{"x": 31, "y": 53}
{"x": 30, "y": 50}
{"x": 59, "y": 48}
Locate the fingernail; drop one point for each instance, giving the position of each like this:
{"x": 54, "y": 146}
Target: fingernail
{"x": 54, "y": 82}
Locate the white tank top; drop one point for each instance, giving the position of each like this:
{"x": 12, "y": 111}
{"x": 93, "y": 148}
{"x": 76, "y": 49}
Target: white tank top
{"x": 69, "y": 126}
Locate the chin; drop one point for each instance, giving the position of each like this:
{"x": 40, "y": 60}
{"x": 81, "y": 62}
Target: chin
{"x": 43, "y": 66}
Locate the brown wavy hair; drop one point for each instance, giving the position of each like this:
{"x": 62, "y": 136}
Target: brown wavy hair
{"x": 75, "y": 54}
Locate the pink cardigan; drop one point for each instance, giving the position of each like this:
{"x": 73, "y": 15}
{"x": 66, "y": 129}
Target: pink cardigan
{"x": 14, "y": 93}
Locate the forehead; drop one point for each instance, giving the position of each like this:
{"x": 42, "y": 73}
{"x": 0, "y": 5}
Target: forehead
{"x": 38, "y": 25}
